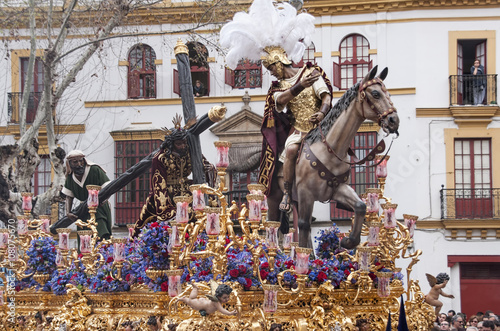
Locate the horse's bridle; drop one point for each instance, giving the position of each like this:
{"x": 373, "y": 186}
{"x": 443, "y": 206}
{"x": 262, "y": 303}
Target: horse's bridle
{"x": 381, "y": 114}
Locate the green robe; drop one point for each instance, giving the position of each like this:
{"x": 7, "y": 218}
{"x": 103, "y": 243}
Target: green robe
{"x": 93, "y": 175}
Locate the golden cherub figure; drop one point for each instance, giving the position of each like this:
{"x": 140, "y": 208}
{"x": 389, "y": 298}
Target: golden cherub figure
{"x": 437, "y": 284}
{"x": 219, "y": 294}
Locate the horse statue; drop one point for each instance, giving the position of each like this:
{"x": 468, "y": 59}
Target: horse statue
{"x": 323, "y": 166}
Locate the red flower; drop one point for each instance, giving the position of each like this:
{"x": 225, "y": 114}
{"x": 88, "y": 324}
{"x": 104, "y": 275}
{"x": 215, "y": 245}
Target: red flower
{"x": 318, "y": 262}
{"x": 155, "y": 225}
{"x": 335, "y": 269}
{"x": 154, "y": 247}
{"x": 164, "y": 287}
{"x": 74, "y": 276}
{"x": 139, "y": 280}
{"x": 227, "y": 241}
{"x": 186, "y": 236}
{"x": 110, "y": 259}
{"x": 109, "y": 279}
{"x": 347, "y": 272}
{"x": 321, "y": 276}
{"x": 165, "y": 228}
{"x": 249, "y": 282}
{"x": 127, "y": 278}
{"x": 204, "y": 273}
{"x": 263, "y": 274}
{"x": 188, "y": 277}
{"x": 351, "y": 266}
{"x": 164, "y": 254}
{"x": 264, "y": 265}
{"x": 80, "y": 256}
{"x": 289, "y": 264}
{"x": 242, "y": 269}
{"x": 234, "y": 273}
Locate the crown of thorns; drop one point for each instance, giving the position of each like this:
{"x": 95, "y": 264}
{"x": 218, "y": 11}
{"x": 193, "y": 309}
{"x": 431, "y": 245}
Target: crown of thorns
{"x": 178, "y": 126}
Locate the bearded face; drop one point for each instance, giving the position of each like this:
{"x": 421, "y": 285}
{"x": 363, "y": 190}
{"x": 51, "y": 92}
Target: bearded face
{"x": 180, "y": 147}
{"x": 78, "y": 165}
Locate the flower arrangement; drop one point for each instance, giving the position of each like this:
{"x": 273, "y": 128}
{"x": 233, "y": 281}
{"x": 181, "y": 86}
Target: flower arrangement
{"x": 153, "y": 246}
{"x": 282, "y": 262}
{"x": 103, "y": 281}
{"x": 328, "y": 242}
{"x": 75, "y": 275}
{"x": 240, "y": 268}
{"x": 42, "y": 255}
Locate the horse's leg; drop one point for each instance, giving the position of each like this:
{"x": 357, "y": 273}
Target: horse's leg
{"x": 305, "y": 213}
{"x": 347, "y": 196}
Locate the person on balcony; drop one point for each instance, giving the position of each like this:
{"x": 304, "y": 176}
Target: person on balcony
{"x": 199, "y": 89}
{"x": 479, "y": 82}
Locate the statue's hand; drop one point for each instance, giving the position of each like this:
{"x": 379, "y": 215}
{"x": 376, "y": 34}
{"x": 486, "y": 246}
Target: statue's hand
{"x": 316, "y": 117}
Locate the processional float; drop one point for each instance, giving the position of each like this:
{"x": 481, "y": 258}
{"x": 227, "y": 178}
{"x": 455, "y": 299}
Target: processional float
{"x": 108, "y": 282}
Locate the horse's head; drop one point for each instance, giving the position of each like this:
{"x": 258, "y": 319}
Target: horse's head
{"x": 376, "y": 104}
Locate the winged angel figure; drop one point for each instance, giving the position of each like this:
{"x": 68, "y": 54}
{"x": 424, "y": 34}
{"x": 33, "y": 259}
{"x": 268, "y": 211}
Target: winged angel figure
{"x": 437, "y": 284}
{"x": 219, "y": 294}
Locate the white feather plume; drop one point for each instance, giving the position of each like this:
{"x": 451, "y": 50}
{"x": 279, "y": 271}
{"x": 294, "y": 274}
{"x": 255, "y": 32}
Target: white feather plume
{"x": 266, "y": 25}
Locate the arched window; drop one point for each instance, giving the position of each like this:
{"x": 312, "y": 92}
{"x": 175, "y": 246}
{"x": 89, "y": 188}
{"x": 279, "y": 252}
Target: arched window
{"x": 307, "y": 57}
{"x": 141, "y": 72}
{"x": 354, "y": 61}
{"x": 248, "y": 74}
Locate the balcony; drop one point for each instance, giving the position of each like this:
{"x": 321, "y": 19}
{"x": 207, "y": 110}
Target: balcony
{"x": 462, "y": 89}
{"x": 14, "y": 104}
{"x": 470, "y": 203}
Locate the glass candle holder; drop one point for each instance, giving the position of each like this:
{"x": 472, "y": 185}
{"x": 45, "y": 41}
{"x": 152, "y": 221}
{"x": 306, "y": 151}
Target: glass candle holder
{"x": 381, "y": 170}
{"x": 175, "y": 237}
{"x": 170, "y": 240}
{"x": 364, "y": 257}
{"x": 254, "y": 207}
{"x": 272, "y": 234}
{"x": 64, "y": 238}
{"x": 174, "y": 282}
{"x": 182, "y": 203}
{"x": 287, "y": 239}
{"x": 93, "y": 198}
{"x": 22, "y": 225}
{"x": 4, "y": 238}
{"x": 383, "y": 288}
{"x": 374, "y": 233}
{"x": 59, "y": 258}
{"x": 119, "y": 249}
{"x": 270, "y": 304}
{"x": 293, "y": 246}
{"x": 198, "y": 198}
{"x": 389, "y": 215}
{"x": 222, "y": 153}
{"x": 27, "y": 201}
{"x": 372, "y": 197}
{"x": 85, "y": 238}
{"x": 45, "y": 223}
{"x": 410, "y": 223}
{"x": 212, "y": 226}
{"x": 302, "y": 260}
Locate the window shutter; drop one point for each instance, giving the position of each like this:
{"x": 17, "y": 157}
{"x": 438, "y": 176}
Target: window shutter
{"x": 229, "y": 77}
{"x": 176, "y": 85}
{"x": 134, "y": 85}
{"x": 336, "y": 75}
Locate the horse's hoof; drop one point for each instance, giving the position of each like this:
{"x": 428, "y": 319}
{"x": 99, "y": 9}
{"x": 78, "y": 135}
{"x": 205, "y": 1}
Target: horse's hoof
{"x": 349, "y": 243}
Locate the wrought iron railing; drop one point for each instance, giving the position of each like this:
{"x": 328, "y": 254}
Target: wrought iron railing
{"x": 14, "y": 104}
{"x": 470, "y": 203}
{"x": 463, "y": 87}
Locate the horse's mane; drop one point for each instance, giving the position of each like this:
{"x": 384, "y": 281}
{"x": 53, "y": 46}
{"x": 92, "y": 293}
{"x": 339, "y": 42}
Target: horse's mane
{"x": 341, "y": 105}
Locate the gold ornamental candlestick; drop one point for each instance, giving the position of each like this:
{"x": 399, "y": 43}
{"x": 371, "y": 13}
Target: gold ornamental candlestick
{"x": 222, "y": 162}
{"x": 118, "y": 257}
{"x": 272, "y": 241}
{"x": 381, "y": 170}
{"x": 27, "y": 204}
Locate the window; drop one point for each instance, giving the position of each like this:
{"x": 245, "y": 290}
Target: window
{"x": 307, "y": 57}
{"x": 362, "y": 177}
{"x": 238, "y": 185}
{"x": 35, "y": 91}
{"x": 42, "y": 178}
{"x": 354, "y": 61}
{"x": 131, "y": 198}
{"x": 248, "y": 74}
{"x": 141, "y": 72}
{"x": 473, "y": 195}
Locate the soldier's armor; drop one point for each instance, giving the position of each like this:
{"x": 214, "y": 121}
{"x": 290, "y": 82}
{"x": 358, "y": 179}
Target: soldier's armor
{"x": 303, "y": 105}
